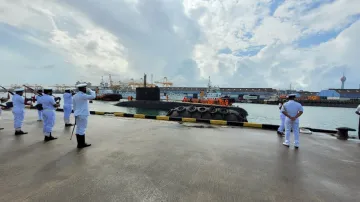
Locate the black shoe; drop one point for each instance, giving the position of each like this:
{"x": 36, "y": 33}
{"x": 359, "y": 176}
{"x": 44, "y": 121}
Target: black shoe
{"x": 49, "y": 138}
{"x": 20, "y": 132}
{"x": 296, "y": 147}
{"x": 68, "y": 124}
{"x": 81, "y": 142}
{"x": 1, "y": 128}
{"x": 281, "y": 134}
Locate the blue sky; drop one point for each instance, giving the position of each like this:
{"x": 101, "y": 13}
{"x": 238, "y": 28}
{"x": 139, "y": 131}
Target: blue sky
{"x": 242, "y": 44}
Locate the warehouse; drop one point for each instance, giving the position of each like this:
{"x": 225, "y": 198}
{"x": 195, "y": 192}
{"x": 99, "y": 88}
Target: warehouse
{"x": 340, "y": 93}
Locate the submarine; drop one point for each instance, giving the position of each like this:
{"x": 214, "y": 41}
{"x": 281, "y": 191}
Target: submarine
{"x": 149, "y": 98}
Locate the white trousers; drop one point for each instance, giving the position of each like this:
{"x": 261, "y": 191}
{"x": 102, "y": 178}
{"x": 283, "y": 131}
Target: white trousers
{"x": 294, "y": 125}
{"x": 67, "y": 113}
{"x": 49, "y": 121}
{"x": 282, "y": 123}
{"x": 81, "y": 124}
{"x": 40, "y": 115}
{"x": 18, "y": 118}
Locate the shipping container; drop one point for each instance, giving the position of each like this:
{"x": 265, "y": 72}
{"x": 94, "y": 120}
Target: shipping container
{"x": 333, "y": 98}
{"x": 283, "y": 96}
{"x": 313, "y": 97}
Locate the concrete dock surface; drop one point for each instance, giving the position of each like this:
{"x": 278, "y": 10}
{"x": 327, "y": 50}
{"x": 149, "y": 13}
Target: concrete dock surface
{"x": 149, "y": 160}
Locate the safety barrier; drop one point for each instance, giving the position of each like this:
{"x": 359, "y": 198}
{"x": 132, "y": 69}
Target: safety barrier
{"x": 190, "y": 120}
{"x": 195, "y": 120}
{"x": 208, "y": 121}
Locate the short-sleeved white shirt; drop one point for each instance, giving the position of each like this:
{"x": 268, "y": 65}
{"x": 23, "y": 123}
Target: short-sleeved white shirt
{"x": 48, "y": 102}
{"x": 292, "y": 108}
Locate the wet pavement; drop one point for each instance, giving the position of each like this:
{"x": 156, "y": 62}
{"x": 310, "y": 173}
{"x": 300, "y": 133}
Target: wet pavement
{"x": 149, "y": 160}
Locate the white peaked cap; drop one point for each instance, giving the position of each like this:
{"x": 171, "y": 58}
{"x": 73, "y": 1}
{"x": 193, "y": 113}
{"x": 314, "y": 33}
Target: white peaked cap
{"x": 81, "y": 85}
{"x": 19, "y": 89}
{"x": 47, "y": 88}
{"x": 291, "y": 95}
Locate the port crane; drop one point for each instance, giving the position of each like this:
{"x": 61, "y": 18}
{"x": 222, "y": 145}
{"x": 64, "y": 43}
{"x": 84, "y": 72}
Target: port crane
{"x": 164, "y": 82}
{"x": 61, "y": 87}
{"x": 132, "y": 84}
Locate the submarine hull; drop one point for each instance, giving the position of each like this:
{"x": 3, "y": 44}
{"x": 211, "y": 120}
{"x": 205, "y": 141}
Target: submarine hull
{"x": 167, "y": 106}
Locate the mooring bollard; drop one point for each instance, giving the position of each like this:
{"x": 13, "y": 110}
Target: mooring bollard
{"x": 342, "y": 133}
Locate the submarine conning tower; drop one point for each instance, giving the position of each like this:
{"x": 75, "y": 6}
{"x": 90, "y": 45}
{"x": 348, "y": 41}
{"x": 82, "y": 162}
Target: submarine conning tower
{"x": 148, "y": 93}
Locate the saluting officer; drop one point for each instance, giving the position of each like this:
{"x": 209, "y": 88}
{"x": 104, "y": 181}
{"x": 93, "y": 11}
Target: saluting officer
{"x": 48, "y": 105}
{"x": 81, "y": 112}
{"x": 18, "y": 110}
{"x": 292, "y": 110}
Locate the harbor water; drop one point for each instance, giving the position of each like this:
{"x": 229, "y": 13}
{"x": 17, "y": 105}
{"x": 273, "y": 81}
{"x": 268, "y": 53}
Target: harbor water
{"x": 314, "y": 117}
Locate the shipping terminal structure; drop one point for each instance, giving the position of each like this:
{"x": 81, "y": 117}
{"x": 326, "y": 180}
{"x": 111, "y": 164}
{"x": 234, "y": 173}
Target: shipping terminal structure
{"x": 113, "y": 91}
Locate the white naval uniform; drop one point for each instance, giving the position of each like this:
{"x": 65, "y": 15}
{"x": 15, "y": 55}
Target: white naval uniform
{"x": 38, "y": 101}
{"x": 18, "y": 111}
{"x": 292, "y": 108}
{"x": 358, "y": 110}
{"x": 81, "y": 110}
{"x": 282, "y": 119}
{"x": 67, "y": 107}
{"x": 48, "y": 103}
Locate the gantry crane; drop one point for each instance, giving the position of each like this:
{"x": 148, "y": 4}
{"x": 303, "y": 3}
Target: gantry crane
{"x": 61, "y": 87}
{"x": 165, "y": 82}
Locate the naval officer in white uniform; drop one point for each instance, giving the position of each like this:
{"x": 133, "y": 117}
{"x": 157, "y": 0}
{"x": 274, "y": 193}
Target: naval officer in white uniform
{"x": 81, "y": 112}
{"x": 38, "y": 98}
{"x": 49, "y": 105}
{"x": 0, "y": 115}
{"x": 292, "y": 110}
{"x": 18, "y": 110}
{"x": 358, "y": 113}
{"x": 68, "y": 103}
{"x": 281, "y": 128}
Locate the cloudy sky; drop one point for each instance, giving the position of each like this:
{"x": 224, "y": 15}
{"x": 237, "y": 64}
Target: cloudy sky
{"x": 240, "y": 43}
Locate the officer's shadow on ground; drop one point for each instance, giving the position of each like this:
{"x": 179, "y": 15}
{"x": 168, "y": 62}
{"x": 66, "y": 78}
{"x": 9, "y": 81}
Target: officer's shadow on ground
{"x": 12, "y": 155}
{"x": 70, "y": 159}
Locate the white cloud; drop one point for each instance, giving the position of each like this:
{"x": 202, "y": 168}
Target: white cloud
{"x": 303, "y": 67}
{"x": 182, "y": 39}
